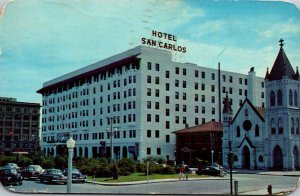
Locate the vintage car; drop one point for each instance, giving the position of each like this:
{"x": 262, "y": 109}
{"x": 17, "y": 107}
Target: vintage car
{"x": 10, "y": 176}
{"x": 77, "y": 176}
{"x": 213, "y": 171}
{"x": 12, "y": 165}
{"x": 32, "y": 171}
{"x": 53, "y": 176}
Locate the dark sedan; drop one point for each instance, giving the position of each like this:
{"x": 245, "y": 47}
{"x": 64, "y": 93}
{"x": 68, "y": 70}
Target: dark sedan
{"x": 32, "y": 171}
{"x": 53, "y": 175}
{"x": 10, "y": 176}
{"x": 77, "y": 176}
{"x": 213, "y": 171}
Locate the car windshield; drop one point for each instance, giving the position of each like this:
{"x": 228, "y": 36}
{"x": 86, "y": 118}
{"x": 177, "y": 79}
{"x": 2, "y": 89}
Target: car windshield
{"x": 10, "y": 171}
{"x": 55, "y": 172}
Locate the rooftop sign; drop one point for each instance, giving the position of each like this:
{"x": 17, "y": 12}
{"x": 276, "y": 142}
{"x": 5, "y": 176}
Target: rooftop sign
{"x": 165, "y": 40}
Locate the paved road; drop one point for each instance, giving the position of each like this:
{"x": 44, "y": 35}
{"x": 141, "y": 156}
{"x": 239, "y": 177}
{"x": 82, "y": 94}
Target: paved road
{"x": 247, "y": 184}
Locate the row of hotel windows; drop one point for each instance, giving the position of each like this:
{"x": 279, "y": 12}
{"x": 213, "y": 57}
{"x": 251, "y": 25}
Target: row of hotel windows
{"x": 293, "y": 98}
{"x": 19, "y": 110}
{"x": 203, "y": 74}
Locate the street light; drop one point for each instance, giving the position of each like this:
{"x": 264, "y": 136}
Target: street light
{"x": 70, "y": 146}
{"x": 212, "y": 157}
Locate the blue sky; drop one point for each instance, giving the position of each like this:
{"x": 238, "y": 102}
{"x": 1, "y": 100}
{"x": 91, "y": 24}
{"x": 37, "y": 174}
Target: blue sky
{"x": 44, "y": 39}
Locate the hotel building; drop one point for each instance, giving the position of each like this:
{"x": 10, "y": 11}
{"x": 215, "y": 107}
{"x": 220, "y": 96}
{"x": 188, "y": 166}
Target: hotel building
{"x": 141, "y": 96}
{"x": 19, "y": 126}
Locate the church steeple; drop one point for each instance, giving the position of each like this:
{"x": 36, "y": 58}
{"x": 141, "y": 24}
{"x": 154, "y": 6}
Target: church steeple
{"x": 282, "y": 67}
{"x": 227, "y": 110}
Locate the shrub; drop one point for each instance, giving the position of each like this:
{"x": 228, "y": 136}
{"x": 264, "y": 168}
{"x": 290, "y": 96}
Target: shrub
{"x": 47, "y": 162}
{"x": 126, "y": 166}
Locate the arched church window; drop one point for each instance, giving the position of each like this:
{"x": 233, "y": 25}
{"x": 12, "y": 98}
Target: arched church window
{"x": 246, "y": 112}
{"x": 280, "y": 126}
{"x": 295, "y": 98}
{"x": 256, "y": 131}
{"x": 290, "y": 97}
{"x": 279, "y": 97}
{"x": 273, "y": 126}
{"x": 238, "y": 131}
{"x": 297, "y": 126}
{"x": 261, "y": 158}
{"x": 292, "y": 126}
{"x": 272, "y": 98}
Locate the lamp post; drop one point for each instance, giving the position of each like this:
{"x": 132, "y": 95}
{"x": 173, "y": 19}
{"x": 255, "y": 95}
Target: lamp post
{"x": 110, "y": 119}
{"x": 70, "y": 146}
{"x": 212, "y": 157}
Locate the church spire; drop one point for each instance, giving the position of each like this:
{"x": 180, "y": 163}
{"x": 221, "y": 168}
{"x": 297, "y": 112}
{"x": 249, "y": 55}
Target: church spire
{"x": 281, "y": 43}
{"x": 226, "y": 105}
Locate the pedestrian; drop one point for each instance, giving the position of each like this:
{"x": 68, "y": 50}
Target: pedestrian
{"x": 180, "y": 175}
{"x": 187, "y": 171}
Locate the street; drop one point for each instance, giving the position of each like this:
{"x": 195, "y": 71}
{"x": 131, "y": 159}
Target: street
{"x": 246, "y": 183}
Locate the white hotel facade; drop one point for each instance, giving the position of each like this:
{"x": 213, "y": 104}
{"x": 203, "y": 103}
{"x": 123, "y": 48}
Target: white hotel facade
{"x": 148, "y": 95}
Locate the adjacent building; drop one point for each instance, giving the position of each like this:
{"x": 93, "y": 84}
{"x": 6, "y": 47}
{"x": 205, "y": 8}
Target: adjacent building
{"x": 19, "y": 126}
{"x": 139, "y": 97}
{"x": 267, "y": 138}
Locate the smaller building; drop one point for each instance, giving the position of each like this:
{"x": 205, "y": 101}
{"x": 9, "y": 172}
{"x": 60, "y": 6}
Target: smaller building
{"x": 19, "y": 126}
{"x": 203, "y": 142}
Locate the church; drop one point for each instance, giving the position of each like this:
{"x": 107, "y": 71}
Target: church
{"x": 266, "y": 138}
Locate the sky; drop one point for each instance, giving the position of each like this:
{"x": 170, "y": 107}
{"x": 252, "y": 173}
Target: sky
{"x": 44, "y": 39}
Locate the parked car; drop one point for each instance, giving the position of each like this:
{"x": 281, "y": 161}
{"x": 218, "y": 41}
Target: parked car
{"x": 12, "y": 165}
{"x": 53, "y": 175}
{"x": 32, "y": 171}
{"x": 10, "y": 176}
{"x": 213, "y": 171}
{"x": 77, "y": 176}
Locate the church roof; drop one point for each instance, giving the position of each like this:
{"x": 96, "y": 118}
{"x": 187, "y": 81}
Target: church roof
{"x": 206, "y": 127}
{"x": 258, "y": 110}
{"x": 282, "y": 67}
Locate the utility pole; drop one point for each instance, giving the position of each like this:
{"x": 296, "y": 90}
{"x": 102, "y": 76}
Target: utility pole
{"x": 230, "y": 159}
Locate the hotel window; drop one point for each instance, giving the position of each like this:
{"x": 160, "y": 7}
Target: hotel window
{"x": 196, "y": 121}
{"x": 213, "y": 76}
{"x": 213, "y": 110}
{"x": 196, "y": 86}
{"x": 148, "y": 151}
{"x": 203, "y": 98}
{"x": 245, "y": 93}
{"x": 157, "y": 133}
{"x": 203, "y": 86}
{"x": 177, "y": 107}
{"x": 196, "y": 109}
{"x": 176, "y": 70}
{"x": 184, "y": 71}
{"x": 156, "y": 80}
{"x": 167, "y": 112}
{"x": 240, "y": 92}
{"x": 184, "y": 96}
{"x": 176, "y": 95}
{"x": 176, "y": 83}
{"x": 183, "y": 84}
{"x": 124, "y": 134}
{"x": 224, "y": 89}
{"x": 156, "y": 67}
{"x": 262, "y": 95}
{"x": 148, "y": 117}
{"x": 148, "y": 133}
{"x": 156, "y": 118}
{"x": 108, "y": 87}
{"x": 148, "y": 91}
{"x": 230, "y": 79}
{"x": 212, "y": 88}
{"x": 246, "y": 81}
{"x": 148, "y": 104}
{"x": 184, "y": 108}
{"x": 158, "y": 150}
{"x": 125, "y": 82}
{"x": 230, "y": 90}
{"x": 240, "y": 80}
{"x": 196, "y": 97}
{"x": 167, "y": 86}
{"x": 167, "y": 99}
{"x": 177, "y": 119}
{"x": 167, "y": 138}
{"x": 262, "y": 84}
{"x": 167, "y": 74}
{"x": 224, "y": 78}
{"x": 167, "y": 124}
{"x": 157, "y": 92}
{"x": 130, "y": 79}
{"x": 157, "y": 105}
{"x": 212, "y": 99}
{"x": 203, "y": 120}
{"x": 149, "y": 65}
{"x": 184, "y": 120}
{"x": 203, "y": 110}
{"x": 148, "y": 79}
{"x": 196, "y": 73}
{"x": 203, "y": 74}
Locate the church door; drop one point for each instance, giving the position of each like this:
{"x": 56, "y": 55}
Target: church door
{"x": 296, "y": 157}
{"x": 277, "y": 158}
{"x": 246, "y": 158}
